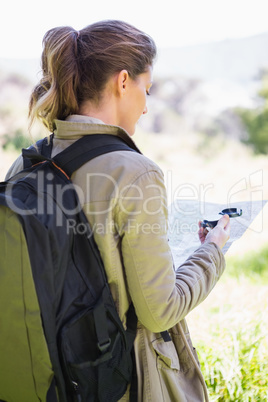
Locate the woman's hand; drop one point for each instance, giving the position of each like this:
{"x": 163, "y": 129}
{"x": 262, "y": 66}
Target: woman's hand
{"x": 202, "y": 233}
{"x": 219, "y": 235}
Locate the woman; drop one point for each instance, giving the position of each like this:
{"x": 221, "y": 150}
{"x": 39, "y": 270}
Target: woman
{"x": 96, "y": 82}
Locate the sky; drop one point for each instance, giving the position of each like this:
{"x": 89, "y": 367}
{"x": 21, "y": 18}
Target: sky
{"x": 169, "y": 22}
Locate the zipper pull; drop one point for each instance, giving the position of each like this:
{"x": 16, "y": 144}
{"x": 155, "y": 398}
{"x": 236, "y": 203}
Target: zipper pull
{"x": 76, "y": 390}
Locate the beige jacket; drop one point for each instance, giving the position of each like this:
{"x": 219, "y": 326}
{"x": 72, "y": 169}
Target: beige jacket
{"x": 124, "y": 197}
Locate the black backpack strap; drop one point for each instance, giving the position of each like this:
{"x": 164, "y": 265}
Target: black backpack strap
{"x": 133, "y": 391}
{"x": 42, "y": 147}
{"x": 52, "y": 392}
{"x": 77, "y": 154}
{"x": 131, "y": 334}
{"x": 87, "y": 148}
{"x": 45, "y": 146}
{"x": 166, "y": 337}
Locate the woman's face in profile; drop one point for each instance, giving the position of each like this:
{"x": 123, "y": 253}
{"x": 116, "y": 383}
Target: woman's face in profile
{"x": 134, "y": 103}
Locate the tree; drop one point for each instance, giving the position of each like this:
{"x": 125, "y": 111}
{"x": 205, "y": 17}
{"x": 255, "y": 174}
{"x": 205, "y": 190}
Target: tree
{"x": 256, "y": 121}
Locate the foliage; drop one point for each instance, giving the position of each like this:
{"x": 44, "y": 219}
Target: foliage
{"x": 254, "y": 266}
{"x": 17, "y": 141}
{"x": 256, "y": 121}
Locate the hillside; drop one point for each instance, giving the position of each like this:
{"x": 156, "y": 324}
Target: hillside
{"x": 235, "y": 60}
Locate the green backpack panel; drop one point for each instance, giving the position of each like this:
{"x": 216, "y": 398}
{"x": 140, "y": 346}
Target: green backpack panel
{"x": 25, "y": 369}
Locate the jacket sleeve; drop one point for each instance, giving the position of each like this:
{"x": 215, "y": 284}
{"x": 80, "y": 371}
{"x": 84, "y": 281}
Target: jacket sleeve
{"x": 161, "y": 295}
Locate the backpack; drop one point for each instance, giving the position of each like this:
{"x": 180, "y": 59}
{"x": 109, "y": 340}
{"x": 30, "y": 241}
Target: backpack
{"x": 61, "y": 338}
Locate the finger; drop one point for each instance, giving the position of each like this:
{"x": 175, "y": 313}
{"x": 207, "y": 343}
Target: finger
{"x": 224, "y": 221}
{"x": 203, "y": 231}
{"x": 227, "y": 228}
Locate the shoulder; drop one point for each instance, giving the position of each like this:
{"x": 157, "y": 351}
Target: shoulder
{"x": 140, "y": 170}
{"x": 121, "y": 164}
{"x": 114, "y": 173}
{"x": 137, "y": 163}
{"x": 15, "y": 168}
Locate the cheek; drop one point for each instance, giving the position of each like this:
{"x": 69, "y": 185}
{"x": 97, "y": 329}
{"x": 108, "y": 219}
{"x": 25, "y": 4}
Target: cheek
{"x": 142, "y": 102}
{"x": 137, "y": 107}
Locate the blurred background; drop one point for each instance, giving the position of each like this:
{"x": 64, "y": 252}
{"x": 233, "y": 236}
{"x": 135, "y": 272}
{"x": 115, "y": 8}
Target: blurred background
{"x": 207, "y": 128}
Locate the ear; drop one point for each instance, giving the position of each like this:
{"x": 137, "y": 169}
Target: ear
{"x": 122, "y": 82}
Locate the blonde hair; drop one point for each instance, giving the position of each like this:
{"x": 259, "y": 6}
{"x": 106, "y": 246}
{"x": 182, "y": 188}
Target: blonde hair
{"x": 77, "y": 65}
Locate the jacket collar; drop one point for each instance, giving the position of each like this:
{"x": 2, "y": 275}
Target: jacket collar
{"x": 76, "y": 126}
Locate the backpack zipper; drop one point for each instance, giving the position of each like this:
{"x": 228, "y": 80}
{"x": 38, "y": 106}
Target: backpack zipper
{"x": 75, "y": 386}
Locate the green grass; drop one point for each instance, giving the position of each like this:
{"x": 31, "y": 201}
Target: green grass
{"x": 254, "y": 266}
{"x": 230, "y": 332}
{"x": 235, "y": 364}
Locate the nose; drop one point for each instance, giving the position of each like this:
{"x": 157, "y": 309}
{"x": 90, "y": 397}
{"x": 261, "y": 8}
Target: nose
{"x": 145, "y": 110}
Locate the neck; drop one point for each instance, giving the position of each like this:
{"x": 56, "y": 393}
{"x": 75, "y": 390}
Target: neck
{"x": 105, "y": 112}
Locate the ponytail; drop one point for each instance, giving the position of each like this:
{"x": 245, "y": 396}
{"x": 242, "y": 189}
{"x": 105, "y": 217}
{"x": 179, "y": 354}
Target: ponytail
{"x": 55, "y": 95}
{"x": 77, "y": 66}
